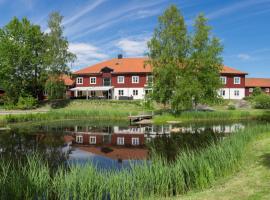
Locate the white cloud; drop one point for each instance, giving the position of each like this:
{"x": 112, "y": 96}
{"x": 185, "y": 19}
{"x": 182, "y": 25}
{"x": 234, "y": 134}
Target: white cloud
{"x": 133, "y": 47}
{"x": 244, "y": 56}
{"x": 83, "y": 11}
{"x": 234, "y": 8}
{"x": 87, "y": 54}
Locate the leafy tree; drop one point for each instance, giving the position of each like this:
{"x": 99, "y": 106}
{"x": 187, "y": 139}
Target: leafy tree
{"x": 168, "y": 52}
{"x": 201, "y": 75}
{"x": 58, "y": 54}
{"x": 55, "y": 88}
{"x": 22, "y": 58}
{"x": 257, "y": 91}
{"x": 185, "y": 66}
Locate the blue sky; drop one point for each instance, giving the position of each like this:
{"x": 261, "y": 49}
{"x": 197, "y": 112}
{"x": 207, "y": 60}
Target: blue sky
{"x": 101, "y": 29}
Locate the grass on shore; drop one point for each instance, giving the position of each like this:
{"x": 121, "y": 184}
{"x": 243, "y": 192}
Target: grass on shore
{"x": 207, "y": 115}
{"x": 251, "y": 182}
{"x": 191, "y": 171}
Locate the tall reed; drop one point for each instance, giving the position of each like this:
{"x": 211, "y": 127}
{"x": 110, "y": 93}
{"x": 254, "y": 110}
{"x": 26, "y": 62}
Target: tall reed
{"x": 191, "y": 170}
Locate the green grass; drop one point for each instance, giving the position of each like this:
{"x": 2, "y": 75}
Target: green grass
{"x": 252, "y": 181}
{"x": 211, "y": 116}
{"x": 191, "y": 171}
{"x": 82, "y": 109}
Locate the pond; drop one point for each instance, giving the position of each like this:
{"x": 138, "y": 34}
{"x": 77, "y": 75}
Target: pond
{"x": 107, "y": 145}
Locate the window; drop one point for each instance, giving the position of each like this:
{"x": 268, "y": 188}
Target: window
{"x": 120, "y": 79}
{"x": 222, "y": 93}
{"x": 266, "y": 89}
{"x": 135, "y": 92}
{"x": 135, "y": 79}
{"x": 250, "y": 89}
{"x": 92, "y": 140}
{"x": 236, "y": 93}
{"x": 79, "y": 139}
{"x": 121, "y": 92}
{"x": 135, "y": 141}
{"x": 223, "y": 79}
{"x": 93, "y": 80}
{"x": 237, "y": 80}
{"x": 79, "y": 80}
{"x": 120, "y": 140}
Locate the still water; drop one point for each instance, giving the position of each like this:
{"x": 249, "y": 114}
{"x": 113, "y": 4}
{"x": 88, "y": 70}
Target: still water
{"x": 107, "y": 145}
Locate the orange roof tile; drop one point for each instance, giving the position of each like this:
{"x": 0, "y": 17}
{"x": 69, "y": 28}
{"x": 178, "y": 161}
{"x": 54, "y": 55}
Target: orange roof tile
{"x": 67, "y": 80}
{"x": 229, "y": 70}
{"x": 257, "y": 82}
{"x": 134, "y": 65}
{"x": 124, "y": 65}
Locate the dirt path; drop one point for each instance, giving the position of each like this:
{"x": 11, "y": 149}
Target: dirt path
{"x": 17, "y": 112}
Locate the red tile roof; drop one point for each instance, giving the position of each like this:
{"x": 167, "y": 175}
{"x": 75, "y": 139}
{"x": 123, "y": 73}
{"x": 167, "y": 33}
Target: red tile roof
{"x": 257, "y": 82}
{"x": 67, "y": 80}
{"x": 134, "y": 65}
{"x": 124, "y": 65}
{"x": 229, "y": 70}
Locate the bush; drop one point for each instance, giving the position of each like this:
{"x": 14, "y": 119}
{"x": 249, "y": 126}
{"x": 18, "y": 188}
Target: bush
{"x": 262, "y": 101}
{"x": 27, "y": 102}
{"x": 231, "y": 107}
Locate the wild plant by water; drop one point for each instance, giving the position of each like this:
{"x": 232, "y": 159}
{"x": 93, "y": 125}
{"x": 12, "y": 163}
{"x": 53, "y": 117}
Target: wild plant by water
{"x": 191, "y": 170}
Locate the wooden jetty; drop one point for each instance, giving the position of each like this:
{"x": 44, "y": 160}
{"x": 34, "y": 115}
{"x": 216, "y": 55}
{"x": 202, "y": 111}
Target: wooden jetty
{"x": 138, "y": 118}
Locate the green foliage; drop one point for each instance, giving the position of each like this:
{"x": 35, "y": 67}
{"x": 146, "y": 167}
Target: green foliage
{"x": 231, "y": 107}
{"x": 257, "y": 91}
{"x": 262, "y": 101}
{"x": 55, "y": 88}
{"x": 185, "y": 66}
{"x": 58, "y": 55}
{"x": 28, "y": 56}
{"x": 27, "y": 102}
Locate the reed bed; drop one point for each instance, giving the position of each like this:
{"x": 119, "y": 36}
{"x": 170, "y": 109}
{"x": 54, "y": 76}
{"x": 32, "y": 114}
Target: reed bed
{"x": 190, "y": 171}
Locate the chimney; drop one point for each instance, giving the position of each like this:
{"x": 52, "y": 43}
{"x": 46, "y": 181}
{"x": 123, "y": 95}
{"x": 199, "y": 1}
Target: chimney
{"x": 120, "y": 56}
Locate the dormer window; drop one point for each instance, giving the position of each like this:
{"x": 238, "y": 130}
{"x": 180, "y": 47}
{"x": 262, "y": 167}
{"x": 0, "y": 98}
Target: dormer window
{"x": 79, "y": 80}
{"x": 135, "y": 79}
{"x": 236, "y": 80}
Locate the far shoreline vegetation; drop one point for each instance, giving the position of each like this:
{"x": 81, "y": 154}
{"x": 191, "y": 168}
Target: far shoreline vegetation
{"x": 183, "y": 63}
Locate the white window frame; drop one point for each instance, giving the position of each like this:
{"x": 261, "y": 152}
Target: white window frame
{"x": 236, "y": 93}
{"x": 120, "y": 91}
{"x": 120, "y": 141}
{"x": 236, "y": 82}
{"x": 250, "y": 90}
{"x": 94, "y": 78}
{"x": 135, "y": 92}
{"x": 267, "y": 89}
{"x": 92, "y": 137}
{"x": 79, "y": 139}
{"x": 79, "y": 82}
{"x": 135, "y": 79}
{"x": 222, "y": 92}
{"x": 223, "y": 80}
{"x": 135, "y": 141}
{"x": 123, "y": 79}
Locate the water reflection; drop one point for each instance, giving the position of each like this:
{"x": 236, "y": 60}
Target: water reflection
{"x": 107, "y": 146}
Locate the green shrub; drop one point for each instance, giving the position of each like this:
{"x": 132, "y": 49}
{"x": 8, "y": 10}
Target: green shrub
{"x": 262, "y": 101}
{"x": 27, "y": 102}
{"x": 231, "y": 107}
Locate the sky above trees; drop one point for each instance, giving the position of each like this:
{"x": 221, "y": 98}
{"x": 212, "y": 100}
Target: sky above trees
{"x": 101, "y": 29}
